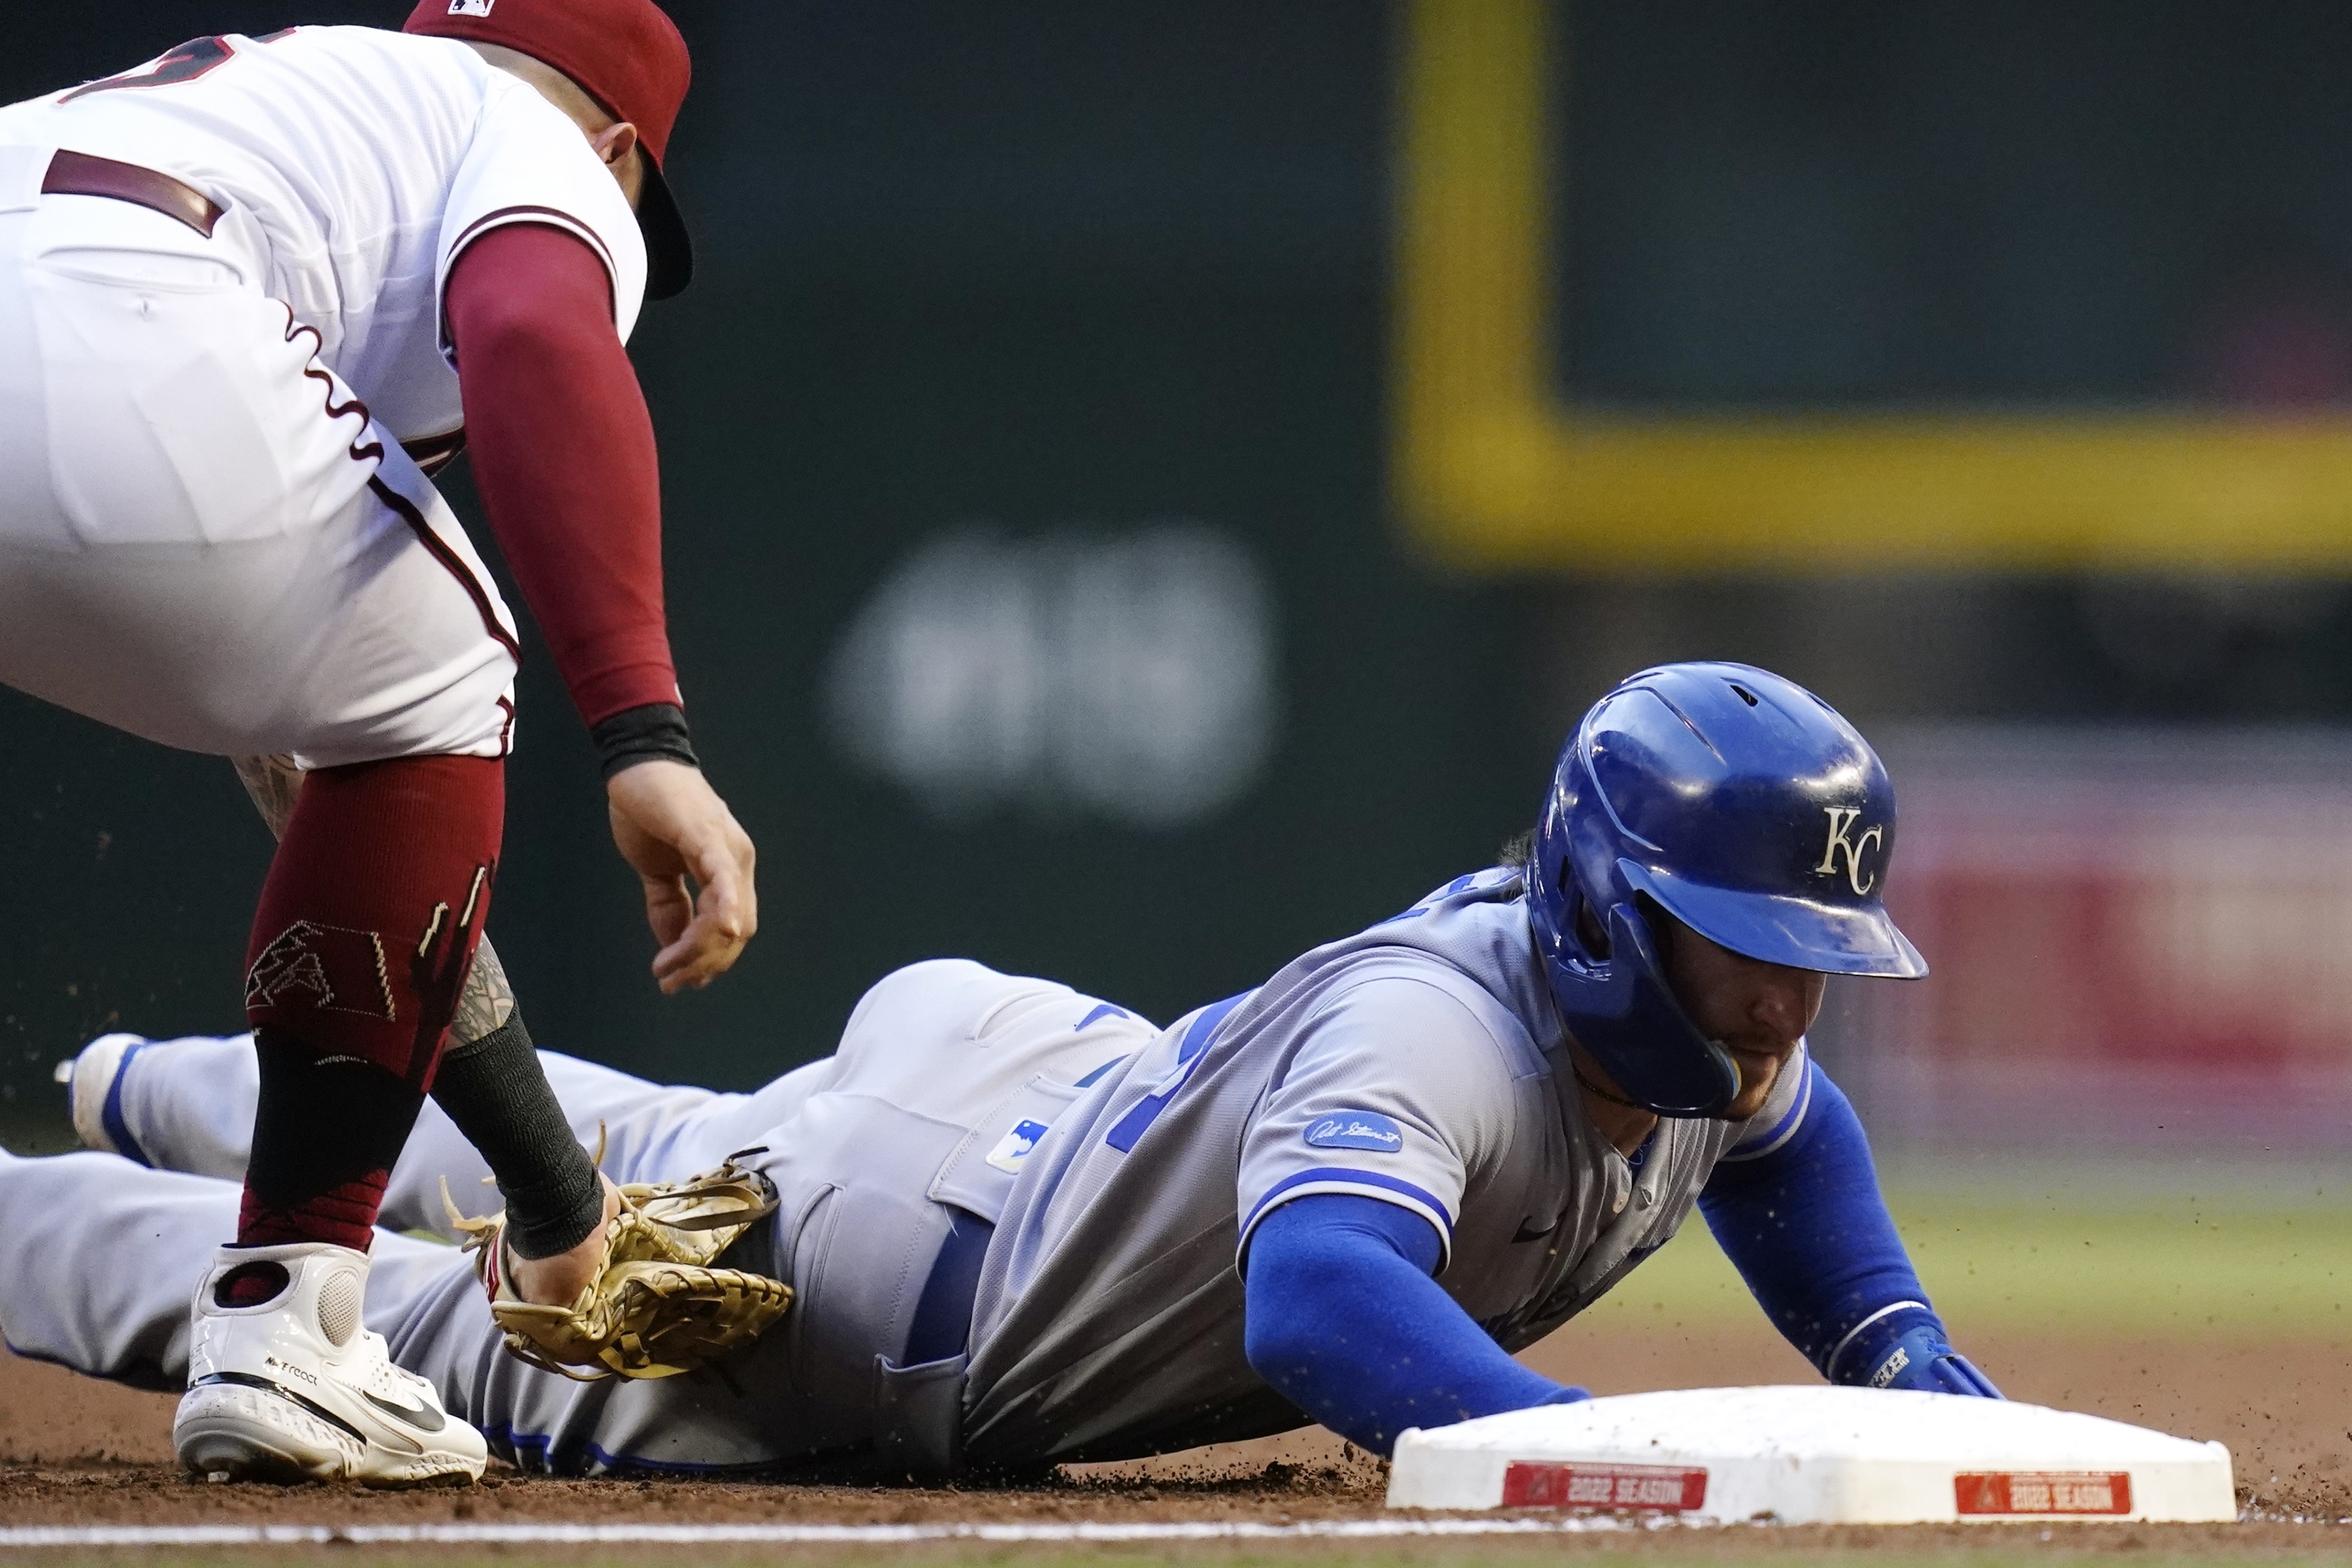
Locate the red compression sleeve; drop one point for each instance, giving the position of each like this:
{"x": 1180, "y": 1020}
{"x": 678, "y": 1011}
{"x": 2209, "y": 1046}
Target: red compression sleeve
{"x": 367, "y": 924}
{"x": 563, "y": 457}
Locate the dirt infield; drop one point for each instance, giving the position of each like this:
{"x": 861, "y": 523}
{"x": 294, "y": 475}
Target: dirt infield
{"x": 76, "y": 1451}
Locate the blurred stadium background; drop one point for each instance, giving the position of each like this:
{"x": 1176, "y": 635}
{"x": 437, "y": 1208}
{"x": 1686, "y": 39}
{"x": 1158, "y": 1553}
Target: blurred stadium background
{"x": 1149, "y": 487}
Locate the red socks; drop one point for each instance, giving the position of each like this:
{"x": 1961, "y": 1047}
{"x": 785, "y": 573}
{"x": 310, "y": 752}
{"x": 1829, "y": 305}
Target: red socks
{"x": 360, "y": 949}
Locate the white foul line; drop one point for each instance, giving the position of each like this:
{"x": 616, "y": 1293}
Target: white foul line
{"x": 554, "y": 1533}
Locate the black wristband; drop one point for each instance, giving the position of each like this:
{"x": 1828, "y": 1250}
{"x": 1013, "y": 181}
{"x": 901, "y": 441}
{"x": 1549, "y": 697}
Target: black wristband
{"x": 655, "y": 731}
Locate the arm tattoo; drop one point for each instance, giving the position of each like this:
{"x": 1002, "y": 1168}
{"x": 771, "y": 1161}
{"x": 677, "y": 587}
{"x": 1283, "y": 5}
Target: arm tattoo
{"x": 489, "y": 999}
{"x": 273, "y": 782}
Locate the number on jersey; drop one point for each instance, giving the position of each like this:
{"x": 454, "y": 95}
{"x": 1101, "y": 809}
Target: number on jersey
{"x": 186, "y": 63}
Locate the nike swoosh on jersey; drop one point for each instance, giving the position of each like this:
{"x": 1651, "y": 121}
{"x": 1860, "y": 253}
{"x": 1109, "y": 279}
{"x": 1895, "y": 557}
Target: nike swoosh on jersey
{"x": 1527, "y": 1235}
{"x": 423, "y": 1417}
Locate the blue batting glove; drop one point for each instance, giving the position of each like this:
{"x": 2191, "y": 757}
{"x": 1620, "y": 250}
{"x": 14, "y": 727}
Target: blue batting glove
{"x": 1924, "y": 1361}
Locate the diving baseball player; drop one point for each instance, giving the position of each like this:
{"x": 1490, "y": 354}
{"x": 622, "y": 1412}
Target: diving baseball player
{"x": 1024, "y": 1225}
{"x": 251, "y": 292}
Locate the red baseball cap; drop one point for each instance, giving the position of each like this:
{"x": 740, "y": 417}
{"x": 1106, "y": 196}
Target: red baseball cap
{"x": 629, "y": 56}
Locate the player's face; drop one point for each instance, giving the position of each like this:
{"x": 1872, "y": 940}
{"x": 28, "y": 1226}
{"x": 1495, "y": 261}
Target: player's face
{"x": 1757, "y": 1010}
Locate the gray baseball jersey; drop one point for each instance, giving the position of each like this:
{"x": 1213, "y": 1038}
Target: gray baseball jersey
{"x": 1411, "y": 1063}
{"x": 1124, "y": 1167}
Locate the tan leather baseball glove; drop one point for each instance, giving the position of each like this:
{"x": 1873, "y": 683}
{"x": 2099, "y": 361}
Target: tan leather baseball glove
{"x": 656, "y": 1307}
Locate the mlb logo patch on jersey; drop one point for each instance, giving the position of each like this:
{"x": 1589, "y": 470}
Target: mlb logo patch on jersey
{"x": 471, "y": 7}
{"x": 1014, "y": 1146}
{"x": 1357, "y": 1129}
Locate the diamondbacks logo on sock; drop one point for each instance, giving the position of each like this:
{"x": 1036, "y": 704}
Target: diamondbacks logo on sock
{"x": 333, "y": 969}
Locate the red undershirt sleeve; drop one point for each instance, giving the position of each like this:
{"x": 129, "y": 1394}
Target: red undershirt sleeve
{"x": 563, "y": 457}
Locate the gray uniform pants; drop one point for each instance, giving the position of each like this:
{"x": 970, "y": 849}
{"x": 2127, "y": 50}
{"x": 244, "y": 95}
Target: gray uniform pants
{"x": 867, "y": 1148}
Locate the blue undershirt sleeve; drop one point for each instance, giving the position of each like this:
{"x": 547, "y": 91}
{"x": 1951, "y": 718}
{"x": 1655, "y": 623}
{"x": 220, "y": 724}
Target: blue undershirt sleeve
{"x": 1805, "y": 1226}
{"x": 1343, "y": 1318}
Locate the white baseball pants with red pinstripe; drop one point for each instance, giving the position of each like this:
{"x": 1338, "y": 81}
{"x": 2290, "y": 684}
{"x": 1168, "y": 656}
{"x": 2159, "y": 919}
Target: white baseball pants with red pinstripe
{"x": 204, "y": 540}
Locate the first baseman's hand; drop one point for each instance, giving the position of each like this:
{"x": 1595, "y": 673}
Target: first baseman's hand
{"x": 670, "y": 826}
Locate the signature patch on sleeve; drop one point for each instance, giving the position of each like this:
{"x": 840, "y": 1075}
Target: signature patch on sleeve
{"x": 1356, "y": 1130}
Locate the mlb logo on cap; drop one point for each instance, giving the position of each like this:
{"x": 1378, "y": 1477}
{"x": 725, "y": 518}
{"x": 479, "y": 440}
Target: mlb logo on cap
{"x": 471, "y": 7}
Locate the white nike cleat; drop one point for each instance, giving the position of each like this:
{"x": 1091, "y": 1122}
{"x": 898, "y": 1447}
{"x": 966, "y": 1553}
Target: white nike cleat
{"x": 293, "y": 1389}
{"x": 89, "y": 1079}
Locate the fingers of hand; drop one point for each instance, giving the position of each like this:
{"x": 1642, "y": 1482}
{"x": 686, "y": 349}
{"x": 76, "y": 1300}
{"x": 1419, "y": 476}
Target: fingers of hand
{"x": 706, "y": 950}
{"x": 669, "y": 908}
{"x": 730, "y": 900}
{"x": 669, "y": 825}
{"x": 703, "y": 935}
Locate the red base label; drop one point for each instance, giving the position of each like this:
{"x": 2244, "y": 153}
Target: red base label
{"x": 1644, "y": 1489}
{"x": 2043, "y": 1492}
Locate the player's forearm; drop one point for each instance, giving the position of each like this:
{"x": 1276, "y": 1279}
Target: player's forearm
{"x": 1343, "y": 1319}
{"x": 563, "y": 456}
{"x": 1810, "y": 1232}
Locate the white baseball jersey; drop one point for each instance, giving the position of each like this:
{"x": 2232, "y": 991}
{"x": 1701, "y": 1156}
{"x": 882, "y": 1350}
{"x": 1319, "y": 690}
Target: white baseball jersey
{"x": 354, "y": 165}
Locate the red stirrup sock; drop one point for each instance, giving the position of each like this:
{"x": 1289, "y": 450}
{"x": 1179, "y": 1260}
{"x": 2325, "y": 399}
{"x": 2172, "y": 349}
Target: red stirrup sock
{"x": 360, "y": 949}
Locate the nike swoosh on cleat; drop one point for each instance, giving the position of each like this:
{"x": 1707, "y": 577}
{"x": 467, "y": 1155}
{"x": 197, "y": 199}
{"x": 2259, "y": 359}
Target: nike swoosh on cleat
{"x": 292, "y": 1396}
{"x": 423, "y": 1417}
{"x": 1527, "y": 1235}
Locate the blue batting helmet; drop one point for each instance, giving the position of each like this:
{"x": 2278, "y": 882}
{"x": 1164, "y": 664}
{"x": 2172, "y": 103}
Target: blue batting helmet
{"x": 1746, "y": 808}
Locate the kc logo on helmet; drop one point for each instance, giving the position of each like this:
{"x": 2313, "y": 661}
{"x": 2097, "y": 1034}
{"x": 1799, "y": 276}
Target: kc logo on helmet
{"x": 1841, "y": 820}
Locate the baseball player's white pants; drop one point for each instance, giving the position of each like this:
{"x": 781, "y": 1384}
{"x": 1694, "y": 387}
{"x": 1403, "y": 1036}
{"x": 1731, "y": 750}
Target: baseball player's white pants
{"x": 204, "y": 538}
{"x": 937, "y": 1061}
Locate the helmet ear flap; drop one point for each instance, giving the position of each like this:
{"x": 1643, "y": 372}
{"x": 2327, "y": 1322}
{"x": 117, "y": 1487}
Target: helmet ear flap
{"x": 1608, "y": 977}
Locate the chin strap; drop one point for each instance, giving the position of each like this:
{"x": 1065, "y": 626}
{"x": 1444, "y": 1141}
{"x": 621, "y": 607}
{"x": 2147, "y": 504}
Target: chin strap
{"x": 1613, "y": 1099}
